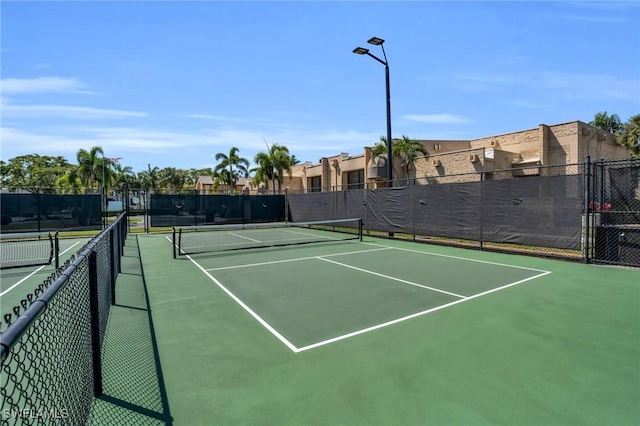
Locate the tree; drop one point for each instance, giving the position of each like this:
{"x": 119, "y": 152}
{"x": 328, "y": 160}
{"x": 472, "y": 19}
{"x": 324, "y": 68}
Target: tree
{"x": 35, "y": 173}
{"x": 629, "y": 135}
{"x": 610, "y": 123}
{"x": 91, "y": 166}
{"x": 172, "y": 178}
{"x": 265, "y": 172}
{"x": 272, "y": 165}
{"x": 229, "y": 162}
{"x": 123, "y": 177}
{"x": 149, "y": 178}
{"x": 70, "y": 183}
{"x": 406, "y": 149}
{"x": 194, "y": 174}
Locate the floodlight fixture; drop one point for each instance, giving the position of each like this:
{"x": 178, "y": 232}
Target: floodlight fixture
{"x": 375, "y": 41}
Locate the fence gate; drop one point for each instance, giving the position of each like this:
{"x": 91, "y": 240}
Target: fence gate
{"x": 613, "y": 201}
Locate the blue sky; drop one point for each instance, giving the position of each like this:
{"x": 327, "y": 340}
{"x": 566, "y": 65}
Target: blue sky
{"x": 171, "y": 84}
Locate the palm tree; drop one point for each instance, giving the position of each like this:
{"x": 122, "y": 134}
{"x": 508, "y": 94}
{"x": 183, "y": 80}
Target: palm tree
{"x": 90, "y": 166}
{"x": 149, "y": 178}
{"x": 406, "y": 149}
{"x": 630, "y": 135}
{"x": 610, "y": 123}
{"x": 123, "y": 176}
{"x": 230, "y": 161}
{"x": 272, "y": 165}
{"x": 219, "y": 178}
{"x": 265, "y": 172}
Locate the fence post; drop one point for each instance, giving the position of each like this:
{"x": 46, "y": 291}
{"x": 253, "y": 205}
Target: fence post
{"x": 482, "y": 210}
{"x": 587, "y": 192}
{"x": 112, "y": 263}
{"x": 95, "y": 324}
{"x": 38, "y": 208}
{"x": 147, "y": 200}
{"x": 196, "y": 207}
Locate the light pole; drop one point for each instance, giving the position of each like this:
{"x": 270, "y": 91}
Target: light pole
{"x": 104, "y": 198}
{"x": 362, "y": 51}
{"x": 112, "y": 160}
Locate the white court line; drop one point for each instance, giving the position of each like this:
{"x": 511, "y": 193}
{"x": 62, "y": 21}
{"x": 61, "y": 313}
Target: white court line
{"x": 295, "y": 349}
{"x": 249, "y": 265}
{"x": 242, "y": 236}
{"x": 392, "y": 278}
{"x": 246, "y": 308}
{"x": 408, "y": 317}
{"x": 31, "y": 274}
{"x": 459, "y": 258}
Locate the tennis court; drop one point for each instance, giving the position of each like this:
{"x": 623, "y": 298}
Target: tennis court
{"x": 309, "y": 297}
{"x": 387, "y": 332}
{"x": 17, "y": 282}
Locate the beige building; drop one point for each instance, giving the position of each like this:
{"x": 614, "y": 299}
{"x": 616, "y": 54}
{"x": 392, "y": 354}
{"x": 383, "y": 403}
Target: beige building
{"x": 524, "y": 151}
{"x": 206, "y": 185}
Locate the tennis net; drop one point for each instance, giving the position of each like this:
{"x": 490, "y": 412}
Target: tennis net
{"x": 28, "y": 249}
{"x": 212, "y": 238}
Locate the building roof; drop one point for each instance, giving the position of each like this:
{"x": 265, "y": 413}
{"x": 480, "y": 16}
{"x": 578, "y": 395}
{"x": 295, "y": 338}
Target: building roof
{"x": 206, "y": 180}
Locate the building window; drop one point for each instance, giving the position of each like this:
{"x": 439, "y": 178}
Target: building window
{"x": 355, "y": 179}
{"x": 437, "y": 147}
{"x": 314, "y": 184}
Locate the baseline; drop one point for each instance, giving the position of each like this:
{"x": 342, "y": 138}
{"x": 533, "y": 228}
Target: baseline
{"x": 417, "y": 314}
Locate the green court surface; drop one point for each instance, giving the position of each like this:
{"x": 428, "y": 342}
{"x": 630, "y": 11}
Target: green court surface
{"x": 369, "y": 333}
{"x": 16, "y": 283}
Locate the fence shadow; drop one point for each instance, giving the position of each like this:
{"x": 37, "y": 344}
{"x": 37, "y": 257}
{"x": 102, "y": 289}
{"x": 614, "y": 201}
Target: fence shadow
{"x": 133, "y": 385}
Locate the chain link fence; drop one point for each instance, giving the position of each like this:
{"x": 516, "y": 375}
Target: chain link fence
{"x": 614, "y": 212}
{"x": 50, "y": 345}
{"x": 534, "y": 210}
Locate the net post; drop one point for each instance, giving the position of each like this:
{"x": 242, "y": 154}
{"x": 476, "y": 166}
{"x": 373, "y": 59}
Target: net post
{"x": 56, "y": 250}
{"x": 173, "y": 241}
{"x": 52, "y": 246}
{"x": 360, "y": 229}
{"x": 95, "y": 324}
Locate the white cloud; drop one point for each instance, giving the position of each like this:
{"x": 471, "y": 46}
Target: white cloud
{"x": 211, "y": 117}
{"x": 140, "y": 146}
{"x": 528, "y": 104}
{"x": 565, "y": 85}
{"x": 443, "y": 118}
{"x": 38, "y": 85}
{"x": 64, "y": 111}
